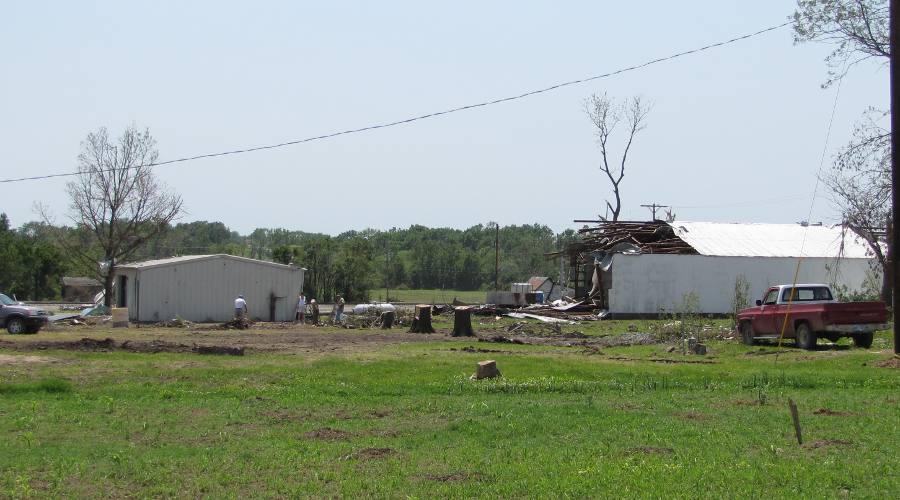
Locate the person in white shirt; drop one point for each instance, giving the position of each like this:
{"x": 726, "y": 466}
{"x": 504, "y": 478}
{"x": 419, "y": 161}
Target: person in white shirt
{"x": 300, "y": 315}
{"x": 240, "y": 307}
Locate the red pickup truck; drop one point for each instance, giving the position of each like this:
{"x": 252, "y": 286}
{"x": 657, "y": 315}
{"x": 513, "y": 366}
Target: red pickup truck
{"x": 812, "y": 313}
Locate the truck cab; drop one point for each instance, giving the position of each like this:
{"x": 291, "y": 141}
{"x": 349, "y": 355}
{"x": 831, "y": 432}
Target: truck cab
{"x": 19, "y": 318}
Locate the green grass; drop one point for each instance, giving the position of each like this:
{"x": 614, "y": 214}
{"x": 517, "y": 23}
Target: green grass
{"x": 430, "y": 296}
{"x": 404, "y": 420}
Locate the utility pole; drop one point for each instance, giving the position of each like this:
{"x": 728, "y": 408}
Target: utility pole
{"x": 895, "y": 139}
{"x": 654, "y": 207}
{"x": 497, "y": 258}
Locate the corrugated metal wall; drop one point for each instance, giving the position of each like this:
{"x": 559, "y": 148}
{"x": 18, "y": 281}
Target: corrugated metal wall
{"x": 647, "y": 284}
{"x": 204, "y": 290}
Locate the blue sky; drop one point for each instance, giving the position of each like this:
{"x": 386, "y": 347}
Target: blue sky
{"x": 735, "y": 133}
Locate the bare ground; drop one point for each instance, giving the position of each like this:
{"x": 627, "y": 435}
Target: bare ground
{"x": 273, "y": 338}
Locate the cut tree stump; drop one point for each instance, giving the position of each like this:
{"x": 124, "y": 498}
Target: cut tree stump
{"x": 462, "y": 322}
{"x": 486, "y": 369}
{"x": 387, "y": 320}
{"x": 422, "y": 320}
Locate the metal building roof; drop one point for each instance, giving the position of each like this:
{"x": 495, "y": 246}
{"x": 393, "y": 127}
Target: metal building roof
{"x": 194, "y": 258}
{"x": 770, "y": 240}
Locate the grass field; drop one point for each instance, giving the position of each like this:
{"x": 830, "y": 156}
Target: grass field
{"x": 430, "y": 296}
{"x": 395, "y": 415}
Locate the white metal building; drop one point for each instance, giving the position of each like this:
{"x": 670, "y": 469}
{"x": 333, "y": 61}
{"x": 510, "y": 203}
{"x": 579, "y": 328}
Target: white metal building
{"x": 202, "y": 288}
{"x": 764, "y": 254}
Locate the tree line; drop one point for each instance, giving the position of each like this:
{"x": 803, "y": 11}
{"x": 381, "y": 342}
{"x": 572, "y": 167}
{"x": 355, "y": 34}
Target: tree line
{"x": 33, "y": 258}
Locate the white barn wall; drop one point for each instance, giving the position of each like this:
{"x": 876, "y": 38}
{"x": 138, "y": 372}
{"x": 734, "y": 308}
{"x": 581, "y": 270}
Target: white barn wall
{"x": 204, "y": 289}
{"x": 652, "y": 283}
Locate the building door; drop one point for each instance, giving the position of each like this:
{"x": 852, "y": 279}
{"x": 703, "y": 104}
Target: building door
{"x": 122, "y": 292}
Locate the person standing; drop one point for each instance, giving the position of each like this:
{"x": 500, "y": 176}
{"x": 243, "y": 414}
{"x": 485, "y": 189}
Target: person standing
{"x": 314, "y": 311}
{"x": 300, "y": 316}
{"x": 240, "y": 307}
{"x": 338, "y": 309}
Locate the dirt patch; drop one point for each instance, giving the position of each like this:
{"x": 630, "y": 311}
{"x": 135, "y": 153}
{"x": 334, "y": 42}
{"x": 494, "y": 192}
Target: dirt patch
{"x": 826, "y": 443}
{"x": 833, "y": 413}
{"x": 381, "y": 413}
{"x": 474, "y": 349}
{"x": 328, "y": 434}
{"x": 649, "y": 450}
{"x": 370, "y": 454}
{"x": 760, "y": 352}
{"x": 7, "y": 359}
{"x": 454, "y": 477}
{"x": 668, "y": 360}
{"x": 889, "y": 363}
{"x": 285, "y": 415}
{"x": 692, "y": 415}
{"x": 107, "y": 344}
{"x": 748, "y": 402}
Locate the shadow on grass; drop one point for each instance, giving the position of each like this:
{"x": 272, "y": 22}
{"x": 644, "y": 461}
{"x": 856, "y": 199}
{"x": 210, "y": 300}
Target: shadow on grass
{"x": 48, "y": 385}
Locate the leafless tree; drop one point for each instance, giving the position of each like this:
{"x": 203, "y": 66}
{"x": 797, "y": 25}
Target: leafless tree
{"x": 859, "y": 29}
{"x": 860, "y": 179}
{"x": 118, "y": 200}
{"x": 606, "y": 115}
{"x": 860, "y": 185}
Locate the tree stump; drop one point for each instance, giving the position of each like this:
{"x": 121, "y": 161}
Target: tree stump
{"x": 462, "y": 322}
{"x": 387, "y": 320}
{"x": 422, "y": 320}
{"x": 486, "y": 369}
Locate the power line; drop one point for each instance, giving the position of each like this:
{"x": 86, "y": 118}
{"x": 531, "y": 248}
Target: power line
{"x": 425, "y": 116}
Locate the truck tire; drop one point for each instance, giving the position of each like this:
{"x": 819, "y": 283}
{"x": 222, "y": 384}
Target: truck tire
{"x": 863, "y": 340}
{"x": 15, "y": 325}
{"x": 805, "y": 337}
{"x": 747, "y": 333}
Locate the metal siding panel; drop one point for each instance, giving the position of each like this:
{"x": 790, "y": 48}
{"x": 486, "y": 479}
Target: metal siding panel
{"x": 649, "y": 283}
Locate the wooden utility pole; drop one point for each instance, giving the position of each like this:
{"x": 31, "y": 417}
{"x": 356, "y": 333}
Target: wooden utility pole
{"x": 894, "y": 242}
{"x": 497, "y": 259}
{"x": 654, "y": 207}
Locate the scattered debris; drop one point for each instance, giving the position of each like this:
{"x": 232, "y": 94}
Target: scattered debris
{"x": 241, "y": 323}
{"x": 175, "y": 323}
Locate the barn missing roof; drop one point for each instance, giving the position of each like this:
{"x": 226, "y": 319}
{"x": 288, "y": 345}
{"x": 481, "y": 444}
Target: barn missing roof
{"x": 648, "y": 268}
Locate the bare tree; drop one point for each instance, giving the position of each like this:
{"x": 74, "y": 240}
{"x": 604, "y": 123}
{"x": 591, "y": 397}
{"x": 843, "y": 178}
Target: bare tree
{"x": 606, "y": 115}
{"x": 858, "y": 29}
{"x": 860, "y": 179}
{"x": 117, "y": 199}
{"x": 860, "y": 185}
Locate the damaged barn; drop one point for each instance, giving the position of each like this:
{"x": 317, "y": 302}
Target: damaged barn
{"x": 644, "y": 269}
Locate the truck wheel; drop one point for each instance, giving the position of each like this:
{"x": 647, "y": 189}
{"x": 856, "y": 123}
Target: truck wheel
{"x": 15, "y": 326}
{"x": 806, "y": 338}
{"x": 863, "y": 340}
{"x": 747, "y": 333}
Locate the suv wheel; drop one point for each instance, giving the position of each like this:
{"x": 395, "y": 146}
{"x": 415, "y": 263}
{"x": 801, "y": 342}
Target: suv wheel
{"x": 806, "y": 338}
{"x": 15, "y": 326}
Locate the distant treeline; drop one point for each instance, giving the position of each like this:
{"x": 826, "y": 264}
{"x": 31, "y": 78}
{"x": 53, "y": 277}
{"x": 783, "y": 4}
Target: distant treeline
{"x": 351, "y": 264}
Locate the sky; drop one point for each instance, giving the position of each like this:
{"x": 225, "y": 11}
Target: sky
{"x": 735, "y": 134}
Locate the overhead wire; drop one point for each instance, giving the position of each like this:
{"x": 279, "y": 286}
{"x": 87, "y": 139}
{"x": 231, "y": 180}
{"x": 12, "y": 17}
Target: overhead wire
{"x": 423, "y": 116}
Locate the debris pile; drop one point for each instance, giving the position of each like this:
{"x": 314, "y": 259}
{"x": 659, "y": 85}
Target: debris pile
{"x": 633, "y": 237}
